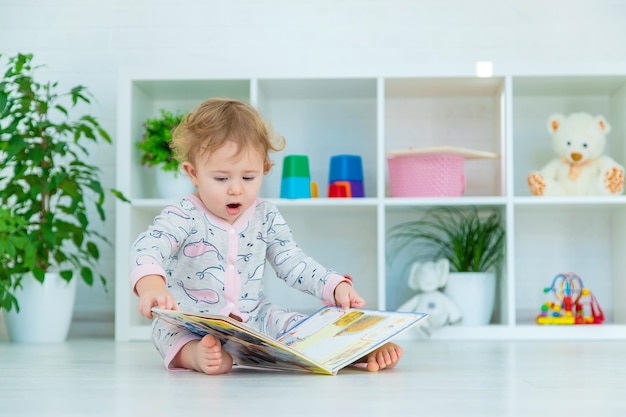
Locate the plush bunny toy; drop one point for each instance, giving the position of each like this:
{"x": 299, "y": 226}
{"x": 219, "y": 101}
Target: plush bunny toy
{"x": 428, "y": 278}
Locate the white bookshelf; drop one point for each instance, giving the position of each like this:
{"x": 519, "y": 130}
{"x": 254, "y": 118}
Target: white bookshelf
{"x": 368, "y": 116}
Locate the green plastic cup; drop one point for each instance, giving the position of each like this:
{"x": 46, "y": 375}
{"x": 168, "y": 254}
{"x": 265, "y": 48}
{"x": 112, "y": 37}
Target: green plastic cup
{"x": 296, "y": 166}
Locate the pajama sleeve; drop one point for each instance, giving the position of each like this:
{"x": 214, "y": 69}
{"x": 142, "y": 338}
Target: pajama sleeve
{"x": 297, "y": 269}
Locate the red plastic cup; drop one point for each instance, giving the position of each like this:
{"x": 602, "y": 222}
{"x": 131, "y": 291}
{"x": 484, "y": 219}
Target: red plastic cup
{"x": 337, "y": 190}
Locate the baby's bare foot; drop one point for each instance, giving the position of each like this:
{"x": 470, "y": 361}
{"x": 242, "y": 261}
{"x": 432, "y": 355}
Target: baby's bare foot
{"x": 210, "y": 358}
{"x": 385, "y": 357}
{"x": 204, "y": 355}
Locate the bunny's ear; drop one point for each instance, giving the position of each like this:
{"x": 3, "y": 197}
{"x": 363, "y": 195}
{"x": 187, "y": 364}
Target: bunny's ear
{"x": 554, "y": 122}
{"x": 443, "y": 266}
{"x": 605, "y": 127}
{"x": 443, "y": 270}
{"x": 414, "y": 275}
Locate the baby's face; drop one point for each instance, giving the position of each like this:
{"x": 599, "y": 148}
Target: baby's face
{"x": 228, "y": 183}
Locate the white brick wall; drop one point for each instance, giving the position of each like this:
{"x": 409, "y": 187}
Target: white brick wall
{"x": 86, "y": 41}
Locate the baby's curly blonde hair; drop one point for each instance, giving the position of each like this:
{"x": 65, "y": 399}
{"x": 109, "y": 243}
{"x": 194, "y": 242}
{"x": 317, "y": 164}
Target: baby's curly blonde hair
{"x": 219, "y": 120}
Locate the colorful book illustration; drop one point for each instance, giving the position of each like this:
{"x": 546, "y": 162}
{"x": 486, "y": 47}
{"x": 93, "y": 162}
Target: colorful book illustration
{"x": 323, "y": 343}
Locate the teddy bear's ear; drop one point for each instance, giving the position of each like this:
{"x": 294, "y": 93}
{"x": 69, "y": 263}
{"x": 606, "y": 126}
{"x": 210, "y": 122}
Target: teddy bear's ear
{"x": 414, "y": 275}
{"x": 554, "y": 122}
{"x": 605, "y": 127}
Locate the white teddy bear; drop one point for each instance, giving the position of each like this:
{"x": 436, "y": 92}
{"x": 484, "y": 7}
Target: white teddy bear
{"x": 580, "y": 168}
{"x": 427, "y": 278}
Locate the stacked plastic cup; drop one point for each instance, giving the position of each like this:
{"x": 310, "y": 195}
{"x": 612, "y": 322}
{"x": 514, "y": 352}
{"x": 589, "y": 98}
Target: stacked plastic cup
{"x": 346, "y": 171}
{"x": 296, "y": 178}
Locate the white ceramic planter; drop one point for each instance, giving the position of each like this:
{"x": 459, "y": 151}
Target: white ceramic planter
{"x": 45, "y": 310}
{"x": 171, "y": 185}
{"x": 474, "y": 293}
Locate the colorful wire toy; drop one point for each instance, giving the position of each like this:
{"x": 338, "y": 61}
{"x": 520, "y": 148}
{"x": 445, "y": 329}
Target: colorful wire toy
{"x": 572, "y": 304}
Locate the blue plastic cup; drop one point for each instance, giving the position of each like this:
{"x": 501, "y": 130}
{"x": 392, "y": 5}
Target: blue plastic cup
{"x": 295, "y": 187}
{"x": 345, "y": 168}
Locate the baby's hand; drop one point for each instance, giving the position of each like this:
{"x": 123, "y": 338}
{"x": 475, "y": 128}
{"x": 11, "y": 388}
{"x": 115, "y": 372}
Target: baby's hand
{"x": 346, "y": 296}
{"x": 161, "y": 299}
{"x": 153, "y": 293}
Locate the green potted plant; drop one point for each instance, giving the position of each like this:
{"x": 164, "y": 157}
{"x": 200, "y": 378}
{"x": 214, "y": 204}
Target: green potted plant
{"x": 472, "y": 241}
{"x": 46, "y": 181}
{"x": 155, "y": 152}
{"x": 156, "y": 139}
{"x": 13, "y": 242}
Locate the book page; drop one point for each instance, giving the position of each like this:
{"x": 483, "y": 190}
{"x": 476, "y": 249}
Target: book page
{"x": 336, "y": 338}
{"x": 325, "y": 342}
{"x": 247, "y": 346}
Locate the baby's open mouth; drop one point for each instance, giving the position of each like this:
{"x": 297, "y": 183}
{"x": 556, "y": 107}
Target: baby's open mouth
{"x": 233, "y": 209}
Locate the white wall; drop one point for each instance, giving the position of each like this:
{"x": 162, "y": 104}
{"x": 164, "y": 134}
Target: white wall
{"x": 86, "y": 41}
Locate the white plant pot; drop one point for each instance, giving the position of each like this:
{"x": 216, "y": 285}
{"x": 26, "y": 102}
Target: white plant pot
{"x": 45, "y": 310}
{"x": 172, "y": 185}
{"x": 474, "y": 293}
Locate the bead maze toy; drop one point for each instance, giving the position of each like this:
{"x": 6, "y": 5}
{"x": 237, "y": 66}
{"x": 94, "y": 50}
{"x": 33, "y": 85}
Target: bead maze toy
{"x": 572, "y": 304}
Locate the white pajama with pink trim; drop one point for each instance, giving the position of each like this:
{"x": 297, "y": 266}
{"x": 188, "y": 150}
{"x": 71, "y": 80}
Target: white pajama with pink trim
{"x": 212, "y": 266}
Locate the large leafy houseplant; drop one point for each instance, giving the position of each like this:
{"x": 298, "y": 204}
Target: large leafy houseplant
{"x": 46, "y": 182}
{"x": 471, "y": 241}
{"x": 13, "y": 241}
{"x": 156, "y": 139}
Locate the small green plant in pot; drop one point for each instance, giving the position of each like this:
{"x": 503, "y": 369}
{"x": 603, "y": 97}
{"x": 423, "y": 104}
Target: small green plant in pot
{"x": 46, "y": 182}
{"x": 473, "y": 242}
{"x": 155, "y": 152}
{"x": 156, "y": 140}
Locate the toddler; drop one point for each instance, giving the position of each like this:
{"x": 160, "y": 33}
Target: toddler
{"x": 208, "y": 252}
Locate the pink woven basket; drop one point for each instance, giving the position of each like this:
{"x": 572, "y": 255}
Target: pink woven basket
{"x": 426, "y": 175}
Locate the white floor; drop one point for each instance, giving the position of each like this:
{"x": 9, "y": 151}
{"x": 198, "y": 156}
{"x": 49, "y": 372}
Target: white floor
{"x": 435, "y": 378}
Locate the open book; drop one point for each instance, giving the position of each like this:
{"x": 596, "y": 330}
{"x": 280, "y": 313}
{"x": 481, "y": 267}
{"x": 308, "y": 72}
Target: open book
{"x": 323, "y": 343}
